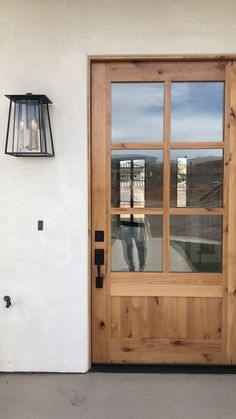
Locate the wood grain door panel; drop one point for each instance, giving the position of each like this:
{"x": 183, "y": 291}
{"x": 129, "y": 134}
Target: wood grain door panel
{"x": 142, "y": 316}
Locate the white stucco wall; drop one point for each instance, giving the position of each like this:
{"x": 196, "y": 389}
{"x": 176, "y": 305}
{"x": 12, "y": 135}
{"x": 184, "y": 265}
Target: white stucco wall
{"x": 43, "y": 49}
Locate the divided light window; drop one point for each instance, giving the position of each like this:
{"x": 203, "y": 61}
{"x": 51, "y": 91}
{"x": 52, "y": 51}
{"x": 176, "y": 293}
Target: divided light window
{"x": 167, "y": 161}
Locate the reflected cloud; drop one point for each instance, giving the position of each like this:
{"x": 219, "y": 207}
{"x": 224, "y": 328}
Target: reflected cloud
{"x": 197, "y": 111}
{"x": 137, "y": 111}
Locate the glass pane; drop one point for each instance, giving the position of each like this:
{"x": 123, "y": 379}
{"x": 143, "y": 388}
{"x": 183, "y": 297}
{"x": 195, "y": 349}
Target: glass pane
{"x": 136, "y": 243}
{"x": 137, "y": 179}
{"x": 26, "y": 127}
{"x": 197, "y": 111}
{"x": 196, "y": 243}
{"x": 196, "y": 178}
{"x": 137, "y": 112}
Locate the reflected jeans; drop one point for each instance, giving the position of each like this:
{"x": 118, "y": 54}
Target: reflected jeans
{"x": 130, "y": 235}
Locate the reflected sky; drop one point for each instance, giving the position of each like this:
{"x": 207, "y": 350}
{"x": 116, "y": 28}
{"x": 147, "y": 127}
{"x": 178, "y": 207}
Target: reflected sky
{"x": 154, "y": 155}
{"x": 197, "y": 111}
{"x": 197, "y": 155}
{"x": 137, "y": 112}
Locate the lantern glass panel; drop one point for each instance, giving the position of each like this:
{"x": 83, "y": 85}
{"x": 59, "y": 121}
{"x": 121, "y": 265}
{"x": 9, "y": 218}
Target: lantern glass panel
{"x": 47, "y": 135}
{"x": 26, "y": 134}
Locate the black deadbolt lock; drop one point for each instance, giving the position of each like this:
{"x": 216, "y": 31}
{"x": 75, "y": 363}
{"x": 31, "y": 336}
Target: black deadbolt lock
{"x": 99, "y": 236}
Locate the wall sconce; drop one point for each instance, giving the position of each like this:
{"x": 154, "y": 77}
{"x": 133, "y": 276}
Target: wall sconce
{"x": 29, "y": 129}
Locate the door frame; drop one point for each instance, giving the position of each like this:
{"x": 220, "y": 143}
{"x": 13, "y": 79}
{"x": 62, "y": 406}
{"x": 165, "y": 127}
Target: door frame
{"x": 230, "y": 289}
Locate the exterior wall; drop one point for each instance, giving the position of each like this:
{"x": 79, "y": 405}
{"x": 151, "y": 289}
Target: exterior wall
{"x": 43, "y": 48}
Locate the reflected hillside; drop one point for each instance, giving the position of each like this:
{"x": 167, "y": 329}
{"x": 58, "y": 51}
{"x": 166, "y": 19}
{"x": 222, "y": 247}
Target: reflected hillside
{"x": 199, "y": 183}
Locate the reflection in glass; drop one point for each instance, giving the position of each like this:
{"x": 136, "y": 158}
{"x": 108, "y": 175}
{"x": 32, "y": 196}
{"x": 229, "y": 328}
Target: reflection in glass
{"x": 197, "y": 111}
{"x": 196, "y": 178}
{"x": 181, "y": 178}
{"x": 196, "y": 243}
{"x": 137, "y": 179}
{"x": 136, "y": 243}
{"x": 137, "y": 112}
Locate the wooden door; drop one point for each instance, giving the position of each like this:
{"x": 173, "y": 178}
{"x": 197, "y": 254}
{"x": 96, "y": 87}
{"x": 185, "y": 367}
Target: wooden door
{"x": 163, "y": 188}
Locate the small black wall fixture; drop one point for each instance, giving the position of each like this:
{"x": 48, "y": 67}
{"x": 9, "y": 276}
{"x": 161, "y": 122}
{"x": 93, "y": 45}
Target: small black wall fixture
{"x": 29, "y": 131}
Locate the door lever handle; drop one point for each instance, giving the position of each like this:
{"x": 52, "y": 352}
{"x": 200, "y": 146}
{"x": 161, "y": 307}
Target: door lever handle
{"x": 99, "y": 261}
{"x": 7, "y": 300}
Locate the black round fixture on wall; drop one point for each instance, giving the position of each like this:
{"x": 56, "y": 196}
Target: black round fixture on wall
{"x": 7, "y": 300}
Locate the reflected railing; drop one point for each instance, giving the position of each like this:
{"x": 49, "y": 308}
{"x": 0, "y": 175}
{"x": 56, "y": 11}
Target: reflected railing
{"x": 213, "y": 198}
{"x": 132, "y": 183}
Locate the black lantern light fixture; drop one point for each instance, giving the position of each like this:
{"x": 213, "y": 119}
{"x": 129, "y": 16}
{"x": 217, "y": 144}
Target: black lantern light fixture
{"x": 29, "y": 131}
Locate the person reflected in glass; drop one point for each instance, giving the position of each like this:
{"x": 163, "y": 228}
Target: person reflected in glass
{"x": 133, "y": 228}
{"x": 133, "y": 233}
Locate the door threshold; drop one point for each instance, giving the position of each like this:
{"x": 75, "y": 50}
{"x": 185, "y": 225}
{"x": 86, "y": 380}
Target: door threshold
{"x": 164, "y": 369}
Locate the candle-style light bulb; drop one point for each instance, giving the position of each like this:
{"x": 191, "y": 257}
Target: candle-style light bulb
{"x": 21, "y": 139}
{"x": 34, "y": 141}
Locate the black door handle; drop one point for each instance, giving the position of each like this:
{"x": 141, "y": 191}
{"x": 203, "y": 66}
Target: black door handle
{"x": 7, "y": 300}
{"x": 99, "y": 261}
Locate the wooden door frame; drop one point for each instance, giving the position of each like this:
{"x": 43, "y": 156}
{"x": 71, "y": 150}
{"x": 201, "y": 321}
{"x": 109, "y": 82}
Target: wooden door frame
{"x": 230, "y": 289}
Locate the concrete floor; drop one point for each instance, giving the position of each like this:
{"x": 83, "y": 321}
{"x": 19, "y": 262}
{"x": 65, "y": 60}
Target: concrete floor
{"x": 117, "y": 396}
